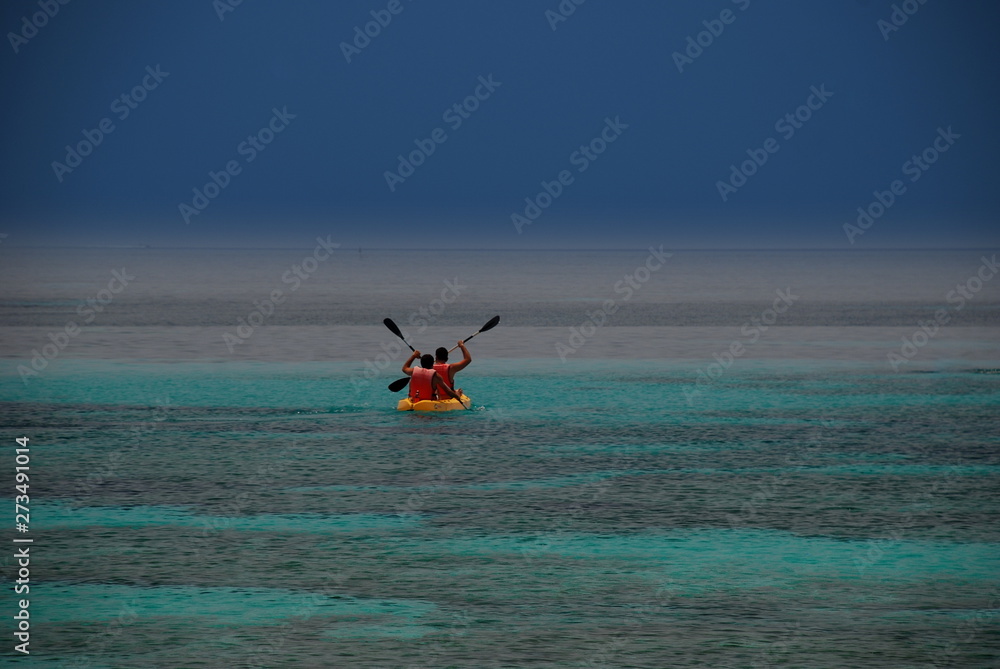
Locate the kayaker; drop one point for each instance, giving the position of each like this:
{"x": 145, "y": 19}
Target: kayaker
{"x": 426, "y": 384}
{"x": 447, "y": 372}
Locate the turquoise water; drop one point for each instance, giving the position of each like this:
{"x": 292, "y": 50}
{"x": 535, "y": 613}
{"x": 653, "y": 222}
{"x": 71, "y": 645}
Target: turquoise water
{"x": 801, "y": 514}
{"x": 195, "y": 504}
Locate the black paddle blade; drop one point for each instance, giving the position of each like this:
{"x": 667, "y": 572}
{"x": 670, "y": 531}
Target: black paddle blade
{"x": 491, "y": 324}
{"x": 399, "y": 384}
{"x": 392, "y": 327}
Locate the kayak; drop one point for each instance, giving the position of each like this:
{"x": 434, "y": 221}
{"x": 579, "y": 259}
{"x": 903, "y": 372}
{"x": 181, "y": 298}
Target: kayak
{"x": 406, "y": 404}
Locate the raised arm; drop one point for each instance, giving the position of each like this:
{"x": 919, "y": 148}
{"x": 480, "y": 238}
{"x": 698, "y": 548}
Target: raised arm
{"x": 407, "y": 369}
{"x": 459, "y": 366}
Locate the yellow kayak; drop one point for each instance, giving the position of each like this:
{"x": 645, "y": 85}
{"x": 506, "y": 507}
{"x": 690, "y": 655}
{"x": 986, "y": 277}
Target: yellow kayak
{"x": 406, "y": 404}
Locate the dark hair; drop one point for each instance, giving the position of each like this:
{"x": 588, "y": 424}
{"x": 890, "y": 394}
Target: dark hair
{"x": 427, "y": 361}
{"x": 441, "y": 354}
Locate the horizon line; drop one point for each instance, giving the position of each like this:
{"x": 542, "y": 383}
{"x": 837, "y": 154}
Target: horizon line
{"x": 353, "y": 248}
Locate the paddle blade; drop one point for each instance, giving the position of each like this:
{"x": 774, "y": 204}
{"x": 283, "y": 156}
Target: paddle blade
{"x": 399, "y": 384}
{"x": 490, "y": 324}
{"x": 392, "y": 327}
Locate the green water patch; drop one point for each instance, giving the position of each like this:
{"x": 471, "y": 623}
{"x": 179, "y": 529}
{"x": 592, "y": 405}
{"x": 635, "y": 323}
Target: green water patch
{"x": 55, "y": 602}
{"x": 57, "y": 515}
{"x": 611, "y": 393}
{"x": 308, "y": 387}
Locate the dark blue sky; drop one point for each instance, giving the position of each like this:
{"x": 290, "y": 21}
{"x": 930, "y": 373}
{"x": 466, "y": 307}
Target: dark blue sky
{"x": 657, "y": 182}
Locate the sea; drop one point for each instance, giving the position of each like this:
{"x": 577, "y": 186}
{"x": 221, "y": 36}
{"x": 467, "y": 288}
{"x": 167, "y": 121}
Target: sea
{"x": 673, "y": 458}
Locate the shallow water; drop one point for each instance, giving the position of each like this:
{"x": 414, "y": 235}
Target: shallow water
{"x": 640, "y": 501}
{"x": 267, "y": 514}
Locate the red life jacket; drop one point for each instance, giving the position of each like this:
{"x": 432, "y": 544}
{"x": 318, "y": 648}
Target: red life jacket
{"x": 442, "y": 368}
{"x": 421, "y": 384}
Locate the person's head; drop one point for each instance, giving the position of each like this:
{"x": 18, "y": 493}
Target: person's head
{"x": 441, "y": 354}
{"x": 427, "y": 361}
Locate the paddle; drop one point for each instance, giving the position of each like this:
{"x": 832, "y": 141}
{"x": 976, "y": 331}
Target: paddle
{"x": 490, "y": 324}
{"x": 398, "y": 384}
{"x": 395, "y": 330}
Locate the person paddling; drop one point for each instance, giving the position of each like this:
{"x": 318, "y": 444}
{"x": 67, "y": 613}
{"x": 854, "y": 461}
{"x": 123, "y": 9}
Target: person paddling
{"x": 425, "y": 383}
{"x": 447, "y": 371}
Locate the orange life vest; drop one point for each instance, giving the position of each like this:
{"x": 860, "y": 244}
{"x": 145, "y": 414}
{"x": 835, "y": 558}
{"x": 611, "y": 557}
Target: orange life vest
{"x": 442, "y": 369}
{"x": 421, "y": 384}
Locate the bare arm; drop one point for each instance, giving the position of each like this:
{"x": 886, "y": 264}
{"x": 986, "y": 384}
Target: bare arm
{"x": 407, "y": 369}
{"x": 459, "y": 366}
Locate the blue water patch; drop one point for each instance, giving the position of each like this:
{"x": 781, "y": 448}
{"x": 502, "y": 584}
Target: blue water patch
{"x": 319, "y": 386}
